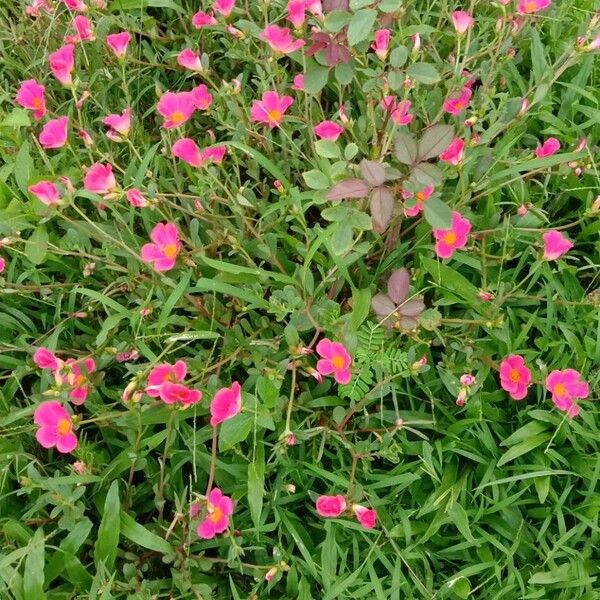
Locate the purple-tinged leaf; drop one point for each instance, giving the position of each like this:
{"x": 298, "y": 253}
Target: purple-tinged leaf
{"x": 426, "y": 174}
{"x": 372, "y": 171}
{"x": 408, "y": 323}
{"x": 406, "y": 149}
{"x": 398, "y": 285}
{"x": 382, "y": 207}
{"x": 412, "y": 308}
{"x": 349, "y": 188}
{"x": 329, "y": 5}
{"x": 382, "y": 305}
{"x": 435, "y": 140}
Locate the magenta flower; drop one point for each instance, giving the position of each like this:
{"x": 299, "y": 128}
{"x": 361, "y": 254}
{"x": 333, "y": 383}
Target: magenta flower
{"x": 454, "y": 153}
{"x": 226, "y": 404}
{"x": 165, "y": 373}
{"x": 2, "y": 265}
{"x": 215, "y": 154}
{"x": 555, "y": 245}
{"x": 54, "y": 133}
{"x": 118, "y": 43}
{"x": 62, "y": 63}
{"x": 176, "y": 108}
{"x": 223, "y": 7}
{"x": 99, "y": 179}
{"x": 532, "y": 6}
{"x": 218, "y": 508}
{"x": 71, "y": 374}
{"x": 280, "y": 39}
{"x": 84, "y": 31}
{"x": 77, "y": 5}
{"x": 31, "y": 95}
{"x": 334, "y": 359}
{"x": 515, "y": 376}
{"x": 382, "y": 43}
{"x": 367, "y": 517}
{"x": 419, "y": 199}
{"x": 34, "y": 9}
{"x": 328, "y": 130}
{"x": 331, "y": 506}
{"x": 202, "y": 19}
{"x": 177, "y": 393}
{"x": 119, "y": 124}
{"x": 136, "y": 198}
{"x": 298, "y": 84}
{"x": 399, "y": 111}
{"x": 201, "y": 97}
{"x": 165, "y": 247}
{"x": 46, "y": 192}
{"x": 270, "y": 109}
{"x": 55, "y": 427}
{"x": 548, "y": 148}
{"x": 566, "y": 387}
{"x": 45, "y": 359}
{"x": 189, "y": 59}
{"x": 449, "y": 240}
{"x": 296, "y": 12}
{"x": 454, "y": 105}
{"x": 462, "y": 21}
{"x": 187, "y": 150}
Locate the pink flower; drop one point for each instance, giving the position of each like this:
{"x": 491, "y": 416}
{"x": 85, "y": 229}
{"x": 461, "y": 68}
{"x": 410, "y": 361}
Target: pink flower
{"x": 2, "y": 265}
{"x": 119, "y": 124}
{"x": 296, "y": 12}
{"x": 280, "y": 39}
{"x": 62, "y": 63}
{"x": 548, "y": 148}
{"x": 33, "y": 10}
{"x": 84, "y": 31}
{"x": 31, "y": 95}
{"x": 454, "y": 105}
{"x": 555, "y": 245}
{"x": 202, "y": 19}
{"x": 532, "y": 6}
{"x": 219, "y": 508}
{"x": 187, "y": 150}
{"x": 71, "y": 374}
{"x": 270, "y": 109}
{"x": 163, "y": 252}
{"x": 165, "y": 373}
{"x": 331, "y": 506}
{"x": 420, "y": 197}
{"x": 86, "y": 137}
{"x": 462, "y": 21}
{"x": 367, "y": 517}
{"x": 190, "y": 60}
{"x": 215, "y": 154}
{"x": 328, "y": 130}
{"x": 334, "y": 359}
{"x": 99, "y": 179}
{"x": 201, "y": 97}
{"x": 399, "y": 111}
{"x": 118, "y": 43}
{"x": 54, "y": 133}
{"x": 173, "y": 393}
{"x": 45, "y": 359}
{"x": 226, "y": 404}
{"x": 594, "y": 44}
{"x": 55, "y": 427}
{"x": 515, "y": 376}
{"x": 315, "y": 7}
{"x": 454, "y": 153}
{"x": 77, "y": 5}
{"x": 176, "y": 108}
{"x": 449, "y": 240}
{"x": 46, "y": 192}
{"x": 565, "y": 387}
{"x": 223, "y": 7}
{"x": 298, "y": 84}
{"x": 135, "y": 198}
{"x": 382, "y": 43}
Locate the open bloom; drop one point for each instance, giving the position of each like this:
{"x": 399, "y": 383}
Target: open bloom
{"x": 226, "y": 404}
{"x": 45, "y": 359}
{"x": 419, "y": 199}
{"x": 215, "y": 154}
{"x": 334, "y": 360}
{"x": 566, "y": 387}
{"x": 280, "y": 39}
{"x": 173, "y": 393}
{"x": 548, "y": 148}
{"x": 454, "y": 105}
{"x": 165, "y": 373}
{"x": 55, "y": 427}
{"x": 270, "y": 109}
{"x": 118, "y": 43}
{"x": 119, "y": 124}
{"x": 298, "y": 84}
{"x": 223, "y": 7}
{"x": 99, "y": 179}
{"x": 454, "y": 152}
{"x": 2, "y": 265}
{"x": 462, "y": 21}
{"x": 367, "y": 517}
{"x": 202, "y": 19}
{"x": 72, "y": 374}
{"x": 46, "y": 192}
{"x": 136, "y": 198}
{"x": 328, "y": 130}
{"x": 201, "y": 97}
{"x": 54, "y": 133}
{"x": 382, "y": 43}
{"x": 176, "y": 108}
{"x": 189, "y": 59}
{"x": 532, "y": 6}
{"x": 449, "y": 240}
{"x": 296, "y": 12}
{"x": 187, "y": 150}
{"x": 399, "y": 111}
{"x": 31, "y": 95}
{"x": 515, "y": 376}
{"x": 165, "y": 247}
{"x": 62, "y": 63}
{"x": 218, "y": 508}
{"x": 77, "y": 5}
{"x": 555, "y": 245}
{"x": 331, "y": 506}
{"x": 84, "y": 31}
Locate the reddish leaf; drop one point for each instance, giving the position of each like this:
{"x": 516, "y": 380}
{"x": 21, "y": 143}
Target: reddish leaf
{"x": 398, "y": 285}
{"x": 382, "y": 305}
{"x": 372, "y": 171}
{"x": 349, "y": 188}
{"x": 382, "y": 206}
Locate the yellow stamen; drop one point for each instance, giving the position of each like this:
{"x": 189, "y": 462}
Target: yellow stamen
{"x": 178, "y": 117}
{"x": 338, "y": 361}
{"x": 515, "y": 376}
{"x": 170, "y": 250}
{"x": 560, "y": 389}
{"x": 274, "y": 115}
{"x": 216, "y": 514}
{"x": 63, "y": 427}
{"x": 450, "y": 238}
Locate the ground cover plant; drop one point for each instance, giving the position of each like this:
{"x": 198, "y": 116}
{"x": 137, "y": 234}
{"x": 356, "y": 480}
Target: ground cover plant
{"x": 299, "y": 299}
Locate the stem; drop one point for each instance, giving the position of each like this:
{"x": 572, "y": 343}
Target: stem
{"x": 161, "y": 485}
{"x": 213, "y": 461}
{"x": 290, "y": 406}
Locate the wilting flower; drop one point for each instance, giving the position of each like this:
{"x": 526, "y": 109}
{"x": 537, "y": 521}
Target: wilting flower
{"x": 226, "y": 404}
{"x": 532, "y": 6}
{"x": 328, "y": 130}
{"x": 454, "y": 153}
{"x": 136, "y": 198}
{"x": 566, "y": 387}
{"x": 548, "y": 148}
{"x": 419, "y": 199}
{"x": 84, "y": 31}
{"x": 201, "y": 97}
{"x": 202, "y": 19}
{"x": 298, "y": 84}
{"x": 165, "y": 373}
{"x": 223, "y": 7}
{"x": 176, "y": 108}
{"x": 454, "y": 105}
{"x": 219, "y": 508}
{"x": 187, "y": 150}
{"x": 54, "y": 133}
{"x": 555, "y": 245}
{"x": 86, "y": 137}
{"x": 99, "y": 179}
{"x": 334, "y": 360}
{"x": 399, "y": 111}
{"x": 46, "y": 192}
{"x": 118, "y": 43}
{"x": 270, "y": 109}
{"x": 119, "y": 124}
{"x": 462, "y": 21}
{"x": 296, "y": 12}
{"x": 71, "y": 374}
{"x": 189, "y": 59}
{"x": 382, "y": 43}
{"x": 165, "y": 247}
{"x": 177, "y": 393}
{"x": 515, "y": 376}
{"x": 55, "y": 427}
{"x": 331, "y": 506}
{"x": 280, "y": 39}
{"x": 367, "y": 517}
{"x": 31, "y": 95}
{"x": 62, "y": 63}
{"x": 449, "y": 240}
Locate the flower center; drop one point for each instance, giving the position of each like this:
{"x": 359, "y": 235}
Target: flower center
{"x": 37, "y": 103}
{"x": 338, "y": 362}
{"x": 216, "y": 514}
{"x": 420, "y": 196}
{"x": 79, "y": 380}
{"x": 63, "y": 427}
{"x": 274, "y": 115}
{"x": 450, "y": 238}
{"x": 530, "y": 6}
{"x": 178, "y": 117}
{"x": 515, "y": 376}
{"x": 560, "y": 389}
{"x": 170, "y": 250}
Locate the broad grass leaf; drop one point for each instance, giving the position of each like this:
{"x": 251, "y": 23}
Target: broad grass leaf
{"x": 141, "y": 536}
{"x": 235, "y": 430}
{"x": 23, "y": 167}
{"x": 33, "y": 582}
{"x": 524, "y": 447}
{"x": 105, "y": 550}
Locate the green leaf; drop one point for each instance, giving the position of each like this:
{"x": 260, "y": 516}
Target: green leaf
{"x": 235, "y": 430}
{"x": 256, "y": 484}
{"x": 266, "y": 163}
{"x": 316, "y": 180}
{"x": 33, "y": 582}
{"x": 36, "y": 247}
{"x": 337, "y": 20}
{"x": 361, "y": 305}
{"x": 172, "y": 300}
{"x": 524, "y": 447}
{"x": 461, "y": 587}
{"x": 23, "y": 167}
{"x": 398, "y": 56}
{"x": 315, "y": 79}
{"x": 459, "y": 517}
{"x": 327, "y": 149}
{"x": 141, "y": 536}
{"x": 342, "y": 238}
{"x": 235, "y": 291}
{"x": 424, "y": 73}
{"x": 344, "y": 73}
{"x": 437, "y": 213}
{"x": 109, "y": 530}
{"x": 435, "y": 140}
{"x": 18, "y": 117}
{"x": 361, "y": 25}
